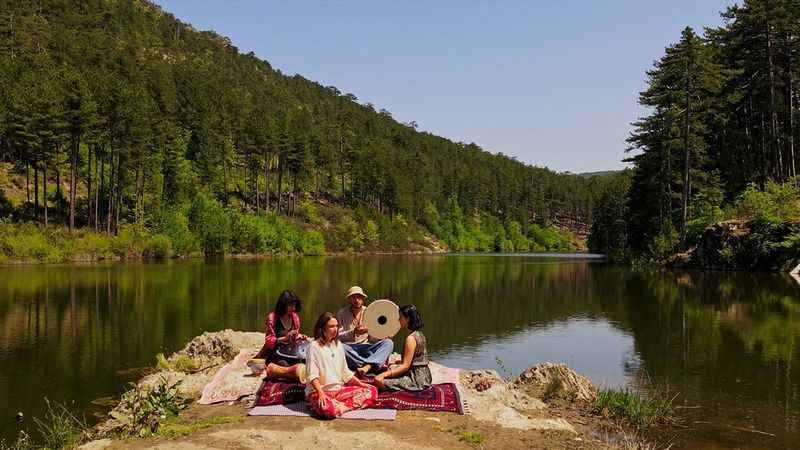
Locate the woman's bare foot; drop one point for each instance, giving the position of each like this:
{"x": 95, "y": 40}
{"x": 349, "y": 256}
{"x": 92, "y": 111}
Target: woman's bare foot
{"x": 364, "y": 370}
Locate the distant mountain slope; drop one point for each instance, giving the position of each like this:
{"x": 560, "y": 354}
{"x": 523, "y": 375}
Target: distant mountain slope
{"x": 145, "y": 111}
{"x": 602, "y": 173}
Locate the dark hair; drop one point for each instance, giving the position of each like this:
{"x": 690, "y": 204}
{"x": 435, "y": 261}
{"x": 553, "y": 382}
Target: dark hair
{"x": 323, "y": 320}
{"x": 287, "y": 298}
{"x": 414, "y": 317}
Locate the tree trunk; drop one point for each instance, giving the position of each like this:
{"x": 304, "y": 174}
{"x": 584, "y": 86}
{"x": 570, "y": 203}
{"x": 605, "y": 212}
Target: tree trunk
{"x": 267, "y": 160}
{"x": 111, "y": 192}
{"x": 118, "y": 201}
{"x": 28, "y": 181}
{"x": 258, "y": 188}
{"x": 341, "y": 164}
{"x": 73, "y": 172}
{"x": 764, "y": 150}
{"x": 687, "y": 158}
{"x": 280, "y": 182}
{"x": 89, "y": 187}
{"x": 44, "y": 181}
{"x": 36, "y": 191}
{"x": 225, "y": 176}
{"x": 98, "y": 190}
{"x": 774, "y": 129}
{"x": 58, "y": 174}
{"x": 789, "y": 82}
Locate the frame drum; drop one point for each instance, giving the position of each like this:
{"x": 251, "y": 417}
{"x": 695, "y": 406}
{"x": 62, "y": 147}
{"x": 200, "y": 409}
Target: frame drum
{"x": 382, "y": 318}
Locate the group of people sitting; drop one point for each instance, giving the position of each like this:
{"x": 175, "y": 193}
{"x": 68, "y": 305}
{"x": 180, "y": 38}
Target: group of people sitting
{"x": 340, "y": 357}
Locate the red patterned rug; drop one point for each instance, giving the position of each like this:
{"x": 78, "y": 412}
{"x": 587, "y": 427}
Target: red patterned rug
{"x": 438, "y": 398}
{"x": 279, "y": 393}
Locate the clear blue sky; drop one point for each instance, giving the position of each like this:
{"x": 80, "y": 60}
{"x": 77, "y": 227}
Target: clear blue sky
{"x": 553, "y": 83}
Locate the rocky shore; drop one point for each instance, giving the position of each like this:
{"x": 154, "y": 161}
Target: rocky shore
{"x": 744, "y": 245}
{"x": 547, "y": 406}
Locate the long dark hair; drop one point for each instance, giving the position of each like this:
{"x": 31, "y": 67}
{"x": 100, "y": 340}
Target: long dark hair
{"x": 319, "y": 327}
{"x": 414, "y": 317}
{"x": 287, "y": 297}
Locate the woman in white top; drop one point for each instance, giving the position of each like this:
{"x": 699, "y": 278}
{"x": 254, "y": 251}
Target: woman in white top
{"x": 332, "y": 389}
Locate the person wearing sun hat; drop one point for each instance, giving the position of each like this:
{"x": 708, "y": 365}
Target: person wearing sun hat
{"x": 362, "y": 354}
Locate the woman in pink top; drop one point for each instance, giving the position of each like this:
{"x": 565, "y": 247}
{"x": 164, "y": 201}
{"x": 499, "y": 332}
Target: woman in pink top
{"x": 332, "y": 389}
{"x": 283, "y": 333}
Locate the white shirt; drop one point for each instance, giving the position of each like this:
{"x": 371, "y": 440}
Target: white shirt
{"x": 327, "y": 363}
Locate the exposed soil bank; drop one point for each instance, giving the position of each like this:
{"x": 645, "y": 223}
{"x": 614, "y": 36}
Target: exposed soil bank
{"x": 502, "y": 414}
{"x": 743, "y": 245}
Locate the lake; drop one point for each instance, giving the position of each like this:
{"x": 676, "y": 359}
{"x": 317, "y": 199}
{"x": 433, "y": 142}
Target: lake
{"x": 726, "y": 342}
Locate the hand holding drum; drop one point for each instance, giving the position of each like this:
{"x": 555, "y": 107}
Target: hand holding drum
{"x": 382, "y": 319}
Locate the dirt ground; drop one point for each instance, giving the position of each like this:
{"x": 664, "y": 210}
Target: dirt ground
{"x": 501, "y": 415}
{"x": 411, "y": 430}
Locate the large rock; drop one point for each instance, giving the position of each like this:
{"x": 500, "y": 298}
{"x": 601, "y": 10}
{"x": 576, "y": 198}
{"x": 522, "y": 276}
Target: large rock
{"x": 550, "y": 380}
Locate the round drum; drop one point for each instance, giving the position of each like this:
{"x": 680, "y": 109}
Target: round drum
{"x": 382, "y": 319}
{"x": 297, "y": 351}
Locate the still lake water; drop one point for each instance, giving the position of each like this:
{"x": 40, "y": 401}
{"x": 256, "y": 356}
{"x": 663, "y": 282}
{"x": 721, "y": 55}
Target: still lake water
{"x": 727, "y": 342}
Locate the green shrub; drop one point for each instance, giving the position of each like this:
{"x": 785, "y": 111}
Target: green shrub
{"x": 128, "y": 242}
{"x": 141, "y": 410}
{"x": 176, "y": 226}
{"x": 88, "y": 244}
{"x": 158, "y": 246}
{"x": 245, "y": 234}
{"x": 778, "y": 202}
{"x": 211, "y": 223}
{"x": 663, "y": 245}
{"x": 27, "y": 242}
{"x": 6, "y": 208}
{"x": 308, "y": 211}
{"x": 519, "y": 241}
{"x": 347, "y": 235}
{"x": 313, "y": 243}
{"x": 371, "y": 232}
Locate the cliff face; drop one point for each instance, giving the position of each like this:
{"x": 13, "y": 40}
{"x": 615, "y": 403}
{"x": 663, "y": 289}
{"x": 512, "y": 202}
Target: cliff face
{"x": 744, "y": 245}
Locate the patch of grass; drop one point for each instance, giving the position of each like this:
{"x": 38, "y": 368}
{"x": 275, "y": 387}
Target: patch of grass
{"x": 471, "y": 437}
{"x": 59, "y": 428}
{"x": 181, "y": 363}
{"x": 639, "y": 410}
{"x": 184, "y": 363}
{"x": 174, "y": 428}
{"x": 161, "y": 362}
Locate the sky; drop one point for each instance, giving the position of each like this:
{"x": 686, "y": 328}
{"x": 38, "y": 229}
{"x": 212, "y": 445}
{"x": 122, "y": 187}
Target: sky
{"x": 552, "y": 83}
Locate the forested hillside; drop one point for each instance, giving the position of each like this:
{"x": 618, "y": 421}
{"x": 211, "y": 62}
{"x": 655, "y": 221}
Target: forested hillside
{"x": 719, "y": 139}
{"x": 117, "y": 114}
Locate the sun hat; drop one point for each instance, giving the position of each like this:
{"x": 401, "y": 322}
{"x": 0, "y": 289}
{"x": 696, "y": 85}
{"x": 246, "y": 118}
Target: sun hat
{"x": 355, "y": 290}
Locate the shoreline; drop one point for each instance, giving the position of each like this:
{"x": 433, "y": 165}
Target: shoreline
{"x": 10, "y": 262}
{"x": 503, "y": 413}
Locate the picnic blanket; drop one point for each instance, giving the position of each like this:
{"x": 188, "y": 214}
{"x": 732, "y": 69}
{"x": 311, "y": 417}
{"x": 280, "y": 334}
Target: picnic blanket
{"x": 438, "y": 398}
{"x": 232, "y": 381}
{"x": 300, "y": 409}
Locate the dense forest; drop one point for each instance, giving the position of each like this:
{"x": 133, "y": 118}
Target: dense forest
{"x": 120, "y": 118}
{"x": 718, "y": 141}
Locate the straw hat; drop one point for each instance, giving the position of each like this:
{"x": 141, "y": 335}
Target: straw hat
{"x": 355, "y": 290}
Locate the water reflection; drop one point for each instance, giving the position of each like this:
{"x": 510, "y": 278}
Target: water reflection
{"x": 727, "y": 342}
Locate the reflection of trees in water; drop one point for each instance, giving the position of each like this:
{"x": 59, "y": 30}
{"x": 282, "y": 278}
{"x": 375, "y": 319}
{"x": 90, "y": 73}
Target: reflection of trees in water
{"x": 71, "y": 327}
{"x": 725, "y": 340}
